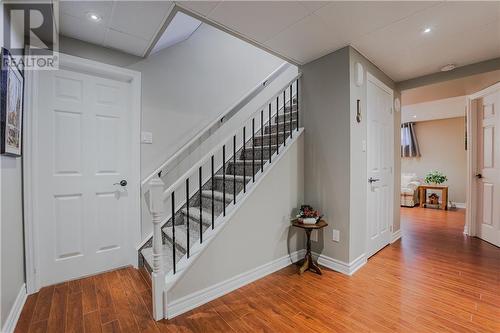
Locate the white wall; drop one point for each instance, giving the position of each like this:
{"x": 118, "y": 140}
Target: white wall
{"x": 186, "y": 86}
{"x": 439, "y": 109}
{"x": 442, "y": 147}
{"x": 12, "y": 238}
{"x": 271, "y": 230}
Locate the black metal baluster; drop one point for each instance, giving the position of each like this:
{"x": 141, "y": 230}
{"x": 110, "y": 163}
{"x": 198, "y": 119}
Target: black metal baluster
{"x": 173, "y": 229}
{"x": 262, "y": 141}
{"x": 187, "y": 217}
{"x": 244, "y": 162}
{"x": 277, "y": 128}
{"x": 213, "y": 205}
{"x": 234, "y": 168}
{"x": 224, "y": 179}
{"x": 291, "y": 109}
{"x": 297, "y": 101}
{"x": 253, "y": 149}
{"x": 284, "y": 122}
{"x": 201, "y": 219}
{"x": 269, "y": 143}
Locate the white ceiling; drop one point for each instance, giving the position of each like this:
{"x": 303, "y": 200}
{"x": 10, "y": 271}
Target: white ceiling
{"x": 439, "y": 109}
{"x": 129, "y": 26}
{"x": 389, "y": 33}
{"x": 179, "y": 29}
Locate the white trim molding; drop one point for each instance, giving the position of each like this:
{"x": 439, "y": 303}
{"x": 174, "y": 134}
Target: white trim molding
{"x": 198, "y": 298}
{"x": 461, "y": 205}
{"x": 341, "y": 266}
{"x": 396, "y": 235}
{"x": 11, "y": 321}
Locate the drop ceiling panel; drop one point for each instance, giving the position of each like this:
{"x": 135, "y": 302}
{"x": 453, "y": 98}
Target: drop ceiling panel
{"x": 355, "y": 19}
{"x": 126, "y": 43}
{"x": 296, "y": 40}
{"x": 258, "y": 20}
{"x": 139, "y": 19}
{"x": 201, "y": 7}
{"x": 82, "y": 29}
{"x": 81, "y": 8}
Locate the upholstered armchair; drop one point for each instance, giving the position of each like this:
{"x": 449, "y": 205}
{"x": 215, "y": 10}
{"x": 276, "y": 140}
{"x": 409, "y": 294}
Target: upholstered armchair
{"x": 409, "y": 189}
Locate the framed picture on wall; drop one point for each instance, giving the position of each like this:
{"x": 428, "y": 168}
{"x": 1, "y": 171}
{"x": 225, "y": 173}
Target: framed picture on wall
{"x": 11, "y": 106}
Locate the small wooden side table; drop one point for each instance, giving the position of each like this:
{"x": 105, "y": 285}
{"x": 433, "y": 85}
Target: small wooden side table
{"x": 308, "y": 261}
{"x": 422, "y": 191}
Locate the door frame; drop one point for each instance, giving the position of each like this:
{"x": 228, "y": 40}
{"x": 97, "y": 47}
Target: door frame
{"x": 371, "y": 78}
{"x": 470, "y": 227}
{"x": 30, "y": 163}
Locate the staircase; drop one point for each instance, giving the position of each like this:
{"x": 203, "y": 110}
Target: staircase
{"x": 201, "y": 199}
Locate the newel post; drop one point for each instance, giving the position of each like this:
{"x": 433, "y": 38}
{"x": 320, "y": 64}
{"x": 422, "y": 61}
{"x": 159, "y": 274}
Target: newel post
{"x": 157, "y": 209}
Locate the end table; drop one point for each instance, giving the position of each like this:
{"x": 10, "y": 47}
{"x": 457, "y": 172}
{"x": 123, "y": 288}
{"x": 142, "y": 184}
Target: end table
{"x": 308, "y": 262}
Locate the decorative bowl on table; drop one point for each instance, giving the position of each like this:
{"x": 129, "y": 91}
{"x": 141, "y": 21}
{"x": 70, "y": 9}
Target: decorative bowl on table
{"x": 308, "y": 215}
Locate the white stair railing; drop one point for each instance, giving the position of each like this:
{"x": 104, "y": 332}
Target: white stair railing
{"x": 157, "y": 209}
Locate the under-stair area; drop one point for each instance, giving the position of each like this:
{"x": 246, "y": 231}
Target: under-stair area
{"x": 190, "y": 210}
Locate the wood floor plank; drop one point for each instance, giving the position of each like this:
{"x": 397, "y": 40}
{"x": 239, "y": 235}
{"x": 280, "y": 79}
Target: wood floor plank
{"x": 24, "y": 321}
{"x": 104, "y": 301}
{"x": 92, "y": 322}
{"x": 57, "y": 318}
{"x": 89, "y": 295}
{"x": 43, "y": 304}
{"x": 74, "y": 313}
{"x": 433, "y": 280}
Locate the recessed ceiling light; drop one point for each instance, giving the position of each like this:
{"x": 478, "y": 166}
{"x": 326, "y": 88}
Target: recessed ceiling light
{"x": 94, "y": 17}
{"x": 414, "y": 116}
{"x": 448, "y": 67}
{"x": 427, "y": 30}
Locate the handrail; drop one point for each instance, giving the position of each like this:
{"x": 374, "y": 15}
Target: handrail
{"x": 218, "y": 122}
{"x": 208, "y": 155}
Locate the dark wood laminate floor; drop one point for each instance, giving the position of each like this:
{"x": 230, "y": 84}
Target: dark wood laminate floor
{"x": 434, "y": 280}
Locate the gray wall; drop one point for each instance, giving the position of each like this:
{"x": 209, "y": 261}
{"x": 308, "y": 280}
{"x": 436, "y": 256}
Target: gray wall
{"x": 325, "y": 116}
{"x": 358, "y": 198}
{"x": 271, "y": 230}
{"x": 12, "y": 238}
{"x": 335, "y": 165}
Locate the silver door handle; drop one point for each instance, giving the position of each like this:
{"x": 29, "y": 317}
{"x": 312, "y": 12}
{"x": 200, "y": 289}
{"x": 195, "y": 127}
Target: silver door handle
{"x": 372, "y": 180}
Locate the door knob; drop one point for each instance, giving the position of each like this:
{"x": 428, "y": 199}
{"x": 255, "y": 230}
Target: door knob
{"x": 479, "y": 176}
{"x": 372, "y": 180}
{"x": 123, "y": 182}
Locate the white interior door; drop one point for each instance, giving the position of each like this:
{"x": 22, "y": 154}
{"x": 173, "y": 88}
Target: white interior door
{"x": 86, "y": 219}
{"x": 380, "y": 160}
{"x": 488, "y": 179}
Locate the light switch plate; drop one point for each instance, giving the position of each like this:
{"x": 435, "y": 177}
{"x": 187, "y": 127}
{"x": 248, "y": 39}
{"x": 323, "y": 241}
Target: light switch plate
{"x": 146, "y": 137}
{"x": 336, "y": 235}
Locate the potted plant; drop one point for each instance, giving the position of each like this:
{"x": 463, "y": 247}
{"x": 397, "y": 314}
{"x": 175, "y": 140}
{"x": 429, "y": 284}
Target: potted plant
{"x": 435, "y": 177}
{"x": 308, "y": 215}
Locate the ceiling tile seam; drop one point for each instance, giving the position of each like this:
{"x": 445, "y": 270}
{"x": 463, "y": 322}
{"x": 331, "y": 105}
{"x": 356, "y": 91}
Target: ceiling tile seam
{"x": 291, "y": 24}
{"x": 361, "y": 36}
{"x": 111, "y": 15}
{"x": 372, "y": 62}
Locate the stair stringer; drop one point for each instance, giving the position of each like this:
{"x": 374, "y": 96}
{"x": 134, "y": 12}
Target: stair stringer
{"x": 290, "y": 155}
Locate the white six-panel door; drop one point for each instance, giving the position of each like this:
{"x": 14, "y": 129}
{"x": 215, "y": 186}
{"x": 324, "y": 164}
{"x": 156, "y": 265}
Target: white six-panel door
{"x": 488, "y": 178}
{"x": 380, "y": 159}
{"x": 84, "y": 132}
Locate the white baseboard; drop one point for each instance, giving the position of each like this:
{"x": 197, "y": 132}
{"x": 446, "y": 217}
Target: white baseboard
{"x": 460, "y": 204}
{"x": 15, "y": 311}
{"x": 396, "y": 235}
{"x": 208, "y": 294}
{"x": 342, "y": 266}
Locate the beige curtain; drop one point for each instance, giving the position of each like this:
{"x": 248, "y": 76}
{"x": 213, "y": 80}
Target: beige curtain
{"x": 409, "y": 142}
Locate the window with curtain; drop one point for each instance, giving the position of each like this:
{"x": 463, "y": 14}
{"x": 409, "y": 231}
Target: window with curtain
{"x": 409, "y": 143}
